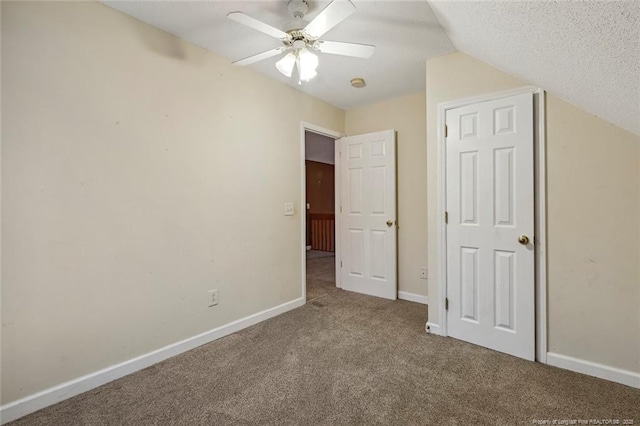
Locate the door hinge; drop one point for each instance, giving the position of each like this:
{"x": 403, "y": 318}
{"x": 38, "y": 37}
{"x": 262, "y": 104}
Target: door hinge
{"x": 341, "y": 263}
{"x": 446, "y": 131}
{"x": 446, "y": 217}
{"x": 340, "y": 209}
{"x": 446, "y": 303}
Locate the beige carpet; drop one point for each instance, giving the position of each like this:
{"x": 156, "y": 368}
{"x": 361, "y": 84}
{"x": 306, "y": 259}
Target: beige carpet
{"x": 321, "y": 274}
{"x": 344, "y": 358}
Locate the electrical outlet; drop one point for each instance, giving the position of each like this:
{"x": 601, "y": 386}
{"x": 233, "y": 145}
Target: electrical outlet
{"x": 213, "y": 297}
{"x": 423, "y": 272}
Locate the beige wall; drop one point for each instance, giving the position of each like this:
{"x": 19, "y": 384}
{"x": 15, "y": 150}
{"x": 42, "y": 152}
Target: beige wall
{"x": 593, "y": 194}
{"x": 407, "y": 116}
{"x": 593, "y": 203}
{"x": 138, "y": 172}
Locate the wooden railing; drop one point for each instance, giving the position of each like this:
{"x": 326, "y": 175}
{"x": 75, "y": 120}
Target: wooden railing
{"x": 322, "y": 227}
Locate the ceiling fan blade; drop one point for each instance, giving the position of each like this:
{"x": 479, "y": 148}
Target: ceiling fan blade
{"x": 259, "y": 57}
{"x": 253, "y": 23}
{"x": 347, "y": 49}
{"x": 332, "y": 15}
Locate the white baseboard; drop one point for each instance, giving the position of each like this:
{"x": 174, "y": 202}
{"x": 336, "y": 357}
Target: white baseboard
{"x": 37, "y": 401}
{"x": 602, "y": 371}
{"x": 432, "y": 328}
{"x": 411, "y": 297}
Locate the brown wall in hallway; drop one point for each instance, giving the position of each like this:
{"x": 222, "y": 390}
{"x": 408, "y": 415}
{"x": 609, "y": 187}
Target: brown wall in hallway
{"x": 320, "y": 187}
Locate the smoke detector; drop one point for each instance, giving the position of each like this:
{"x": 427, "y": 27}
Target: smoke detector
{"x": 358, "y": 83}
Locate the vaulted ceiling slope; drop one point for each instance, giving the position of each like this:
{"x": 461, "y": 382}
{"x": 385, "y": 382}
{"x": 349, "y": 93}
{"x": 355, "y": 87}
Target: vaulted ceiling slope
{"x": 585, "y": 52}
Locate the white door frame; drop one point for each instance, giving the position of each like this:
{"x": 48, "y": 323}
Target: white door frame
{"x": 304, "y": 126}
{"x": 540, "y": 209}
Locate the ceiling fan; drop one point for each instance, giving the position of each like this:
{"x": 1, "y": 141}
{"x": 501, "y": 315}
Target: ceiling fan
{"x": 301, "y": 38}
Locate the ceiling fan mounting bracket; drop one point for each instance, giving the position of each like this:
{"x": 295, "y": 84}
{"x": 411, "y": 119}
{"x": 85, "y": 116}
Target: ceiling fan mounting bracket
{"x": 298, "y": 8}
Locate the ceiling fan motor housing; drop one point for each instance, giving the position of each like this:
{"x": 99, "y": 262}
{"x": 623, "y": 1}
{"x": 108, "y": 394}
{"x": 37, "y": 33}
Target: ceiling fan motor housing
{"x": 298, "y": 40}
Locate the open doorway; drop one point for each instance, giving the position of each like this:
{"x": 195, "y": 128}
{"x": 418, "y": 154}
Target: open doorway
{"x": 320, "y": 179}
{"x": 353, "y": 247}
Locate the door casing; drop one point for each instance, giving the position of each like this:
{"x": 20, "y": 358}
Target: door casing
{"x": 540, "y": 212}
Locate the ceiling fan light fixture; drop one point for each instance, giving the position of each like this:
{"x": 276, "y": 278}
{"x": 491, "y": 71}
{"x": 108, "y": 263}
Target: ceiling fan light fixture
{"x": 305, "y": 61}
{"x": 308, "y": 60}
{"x": 307, "y": 64}
{"x": 285, "y": 65}
{"x": 308, "y": 74}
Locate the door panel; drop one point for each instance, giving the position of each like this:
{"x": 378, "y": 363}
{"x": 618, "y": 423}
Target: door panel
{"x": 356, "y": 252}
{"x": 490, "y": 203}
{"x": 503, "y": 195}
{"x": 469, "y": 283}
{"x": 368, "y": 170}
{"x": 504, "y": 262}
{"x": 469, "y": 188}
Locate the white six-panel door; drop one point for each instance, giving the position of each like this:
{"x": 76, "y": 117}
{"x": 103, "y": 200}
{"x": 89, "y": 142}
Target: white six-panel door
{"x": 368, "y": 214}
{"x": 490, "y": 208}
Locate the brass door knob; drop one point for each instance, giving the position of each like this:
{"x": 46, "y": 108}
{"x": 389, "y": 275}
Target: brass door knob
{"x": 389, "y": 223}
{"x": 523, "y": 239}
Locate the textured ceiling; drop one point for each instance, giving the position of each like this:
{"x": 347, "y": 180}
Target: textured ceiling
{"x": 405, "y": 34}
{"x": 587, "y": 53}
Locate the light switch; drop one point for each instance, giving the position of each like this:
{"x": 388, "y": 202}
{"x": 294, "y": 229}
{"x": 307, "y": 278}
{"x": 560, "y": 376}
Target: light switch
{"x": 288, "y": 209}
